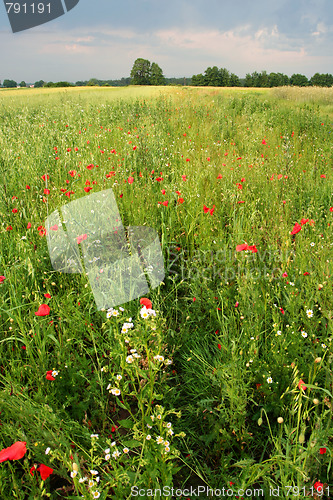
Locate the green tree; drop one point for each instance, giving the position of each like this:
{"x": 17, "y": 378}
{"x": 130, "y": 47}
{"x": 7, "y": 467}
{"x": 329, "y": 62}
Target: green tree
{"x": 140, "y": 73}
{"x": 9, "y": 83}
{"x": 322, "y": 80}
{"x": 212, "y": 77}
{"x": 39, "y": 84}
{"x": 299, "y": 80}
{"x": 234, "y": 80}
{"x": 156, "y": 75}
{"x": 23, "y": 84}
{"x": 248, "y": 80}
{"x": 224, "y": 77}
{"x": 198, "y": 80}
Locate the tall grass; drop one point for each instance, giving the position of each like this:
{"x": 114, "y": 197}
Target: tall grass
{"x": 248, "y": 395}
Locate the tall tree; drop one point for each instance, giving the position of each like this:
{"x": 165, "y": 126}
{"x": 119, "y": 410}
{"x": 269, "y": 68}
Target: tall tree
{"x": 224, "y": 77}
{"x": 9, "y": 83}
{"x": 156, "y": 75}
{"x": 299, "y": 80}
{"x": 212, "y": 77}
{"x": 140, "y": 74}
{"x": 234, "y": 80}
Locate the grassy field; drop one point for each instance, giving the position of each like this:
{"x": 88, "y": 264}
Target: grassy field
{"x": 229, "y": 385}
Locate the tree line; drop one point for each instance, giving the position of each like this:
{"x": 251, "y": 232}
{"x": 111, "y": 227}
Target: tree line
{"x": 146, "y": 73}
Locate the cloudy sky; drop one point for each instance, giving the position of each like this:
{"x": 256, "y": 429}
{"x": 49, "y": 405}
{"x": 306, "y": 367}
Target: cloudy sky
{"x": 102, "y": 38}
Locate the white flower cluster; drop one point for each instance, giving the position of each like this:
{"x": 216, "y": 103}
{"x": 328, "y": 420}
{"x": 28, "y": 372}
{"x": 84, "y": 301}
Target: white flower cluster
{"x": 145, "y": 313}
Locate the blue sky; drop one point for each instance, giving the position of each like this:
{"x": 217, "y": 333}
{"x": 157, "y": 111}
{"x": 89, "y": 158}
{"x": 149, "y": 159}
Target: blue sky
{"x": 102, "y": 38}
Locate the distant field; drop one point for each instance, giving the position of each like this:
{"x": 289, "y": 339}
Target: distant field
{"x": 228, "y": 384}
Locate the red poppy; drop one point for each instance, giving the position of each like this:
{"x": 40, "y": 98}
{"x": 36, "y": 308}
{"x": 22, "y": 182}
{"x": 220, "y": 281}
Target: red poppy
{"x": 46, "y": 191}
{"x": 306, "y": 274}
{"x": 323, "y": 176}
{"x": 184, "y": 178}
{"x": 237, "y": 304}
{"x": 44, "y": 471}
{"x": 252, "y": 248}
{"x": 282, "y": 311}
{"x": 211, "y": 211}
{"x": 44, "y": 177}
{"x": 163, "y": 191}
{"x": 49, "y": 375}
{"x": 43, "y": 310}
{"x": 263, "y": 141}
{"x": 296, "y": 229}
{"x": 2, "y": 279}
{"x": 41, "y": 230}
{"x": 180, "y": 200}
{"x": 301, "y": 385}
{"x": 331, "y": 209}
{"x": 240, "y": 201}
{"x": 130, "y": 180}
{"x": 90, "y": 167}
{"x": 219, "y": 346}
{"x": 47, "y": 295}
{"x": 87, "y": 189}
{"x": 14, "y": 452}
{"x": 240, "y": 248}
{"x": 322, "y": 451}
{"x": 146, "y": 302}
{"x": 205, "y": 209}
{"x": 187, "y": 159}
{"x": 159, "y": 179}
{"x": 9, "y": 228}
{"x": 304, "y": 221}
{"x": 318, "y": 486}
{"x": 165, "y": 203}
{"x": 80, "y": 238}
{"x": 14, "y": 210}
{"x": 32, "y": 470}
{"x": 27, "y": 187}
{"x": 219, "y": 176}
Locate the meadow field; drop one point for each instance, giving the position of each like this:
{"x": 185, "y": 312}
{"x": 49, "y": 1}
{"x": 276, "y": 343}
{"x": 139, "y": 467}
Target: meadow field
{"x": 219, "y": 381}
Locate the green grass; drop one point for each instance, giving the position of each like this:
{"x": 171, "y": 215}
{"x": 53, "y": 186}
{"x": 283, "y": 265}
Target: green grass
{"x": 236, "y": 325}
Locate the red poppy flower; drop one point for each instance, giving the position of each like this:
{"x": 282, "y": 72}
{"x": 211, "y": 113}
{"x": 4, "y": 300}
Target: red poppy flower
{"x": 237, "y": 304}
{"x": 331, "y": 209}
{"x": 43, "y": 310}
{"x": 163, "y": 191}
{"x": 46, "y": 191}
{"x": 165, "y": 203}
{"x": 27, "y": 187}
{"x": 318, "y": 486}
{"x": 32, "y": 470}
{"x": 130, "y": 180}
{"x": 240, "y": 201}
{"x": 306, "y": 274}
{"x": 219, "y": 346}
{"x": 211, "y": 211}
{"x": 184, "y": 178}
{"x": 47, "y": 295}
{"x": 285, "y": 275}
{"x": 159, "y": 179}
{"x": 44, "y": 471}
{"x": 146, "y": 302}
{"x": 180, "y": 200}
{"x": 187, "y": 159}
{"x": 44, "y": 177}
{"x": 282, "y": 311}
{"x": 323, "y": 176}
{"x": 90, "y": 167}
{"x": 14, "y": 210}
{"x": 2, "y": 279}
{"x": 296, "y": 229}
{"x": 240, "y": 248}
{"x": 9, "y": 228}
{"x": 301, "y": 385}
{"x": 304, "y": 221}
{"x": 41, "y": 230}
{"x": 322, "y": 451}
{"x": 219, "y": 176}
{"x": 49, "y": 375}
{"x": 205, "y": 209}
{"x": 252, "y": 248}
{"x": 14, "y": 452}
{"x": 263, "y": 141}
{"x": 87, "y": 189}
{"x": 79, "y": 239}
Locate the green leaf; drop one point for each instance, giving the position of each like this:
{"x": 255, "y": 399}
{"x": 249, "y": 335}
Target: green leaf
{"x": 128, "y": 424}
